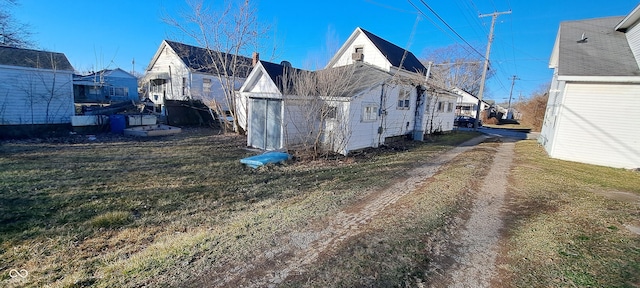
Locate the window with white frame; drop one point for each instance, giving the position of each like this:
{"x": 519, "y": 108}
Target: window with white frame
{"x": 449, "y": 107}
{"x": 206, "y": 85}
{"x": 404, "y": 99}
{"x": 440, "y": 106}
{"x": 369, "y": 112}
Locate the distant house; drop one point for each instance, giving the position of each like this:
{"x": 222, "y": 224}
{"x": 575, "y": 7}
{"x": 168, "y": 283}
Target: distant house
{"x": 591, "y": 111}
{"x": 104, "y": 86}
{"x": 35, "y": 88}
{"x": 467, "y": 104}
{"x": 378, "y": 100}
{"x": 182, "y": 72}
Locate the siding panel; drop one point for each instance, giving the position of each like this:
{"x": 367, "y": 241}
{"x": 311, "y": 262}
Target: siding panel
{"x": 594, "y": 127}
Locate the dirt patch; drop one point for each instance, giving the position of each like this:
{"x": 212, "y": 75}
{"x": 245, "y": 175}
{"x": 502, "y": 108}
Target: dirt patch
{"x": 297, "y": 250}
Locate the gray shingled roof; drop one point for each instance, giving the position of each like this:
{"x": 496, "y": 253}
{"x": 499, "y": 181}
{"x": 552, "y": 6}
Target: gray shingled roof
{"x": 12, "y": 56}
{"x": 606, "y": 52}
{"x": 363, "y": 76}
{"x": 200, "y": 60}
{"x": 395, "y": 53}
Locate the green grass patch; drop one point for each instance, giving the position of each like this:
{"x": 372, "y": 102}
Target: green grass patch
{"x": 112, "y": 219}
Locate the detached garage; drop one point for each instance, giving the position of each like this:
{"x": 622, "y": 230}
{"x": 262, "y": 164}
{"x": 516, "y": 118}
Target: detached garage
{"x": 591, "y": 114}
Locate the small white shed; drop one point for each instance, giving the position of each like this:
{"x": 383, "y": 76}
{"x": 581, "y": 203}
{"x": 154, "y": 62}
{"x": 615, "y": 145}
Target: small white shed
{"x": 36, "y": 87}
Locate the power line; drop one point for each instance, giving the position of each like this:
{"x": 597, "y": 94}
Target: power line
{"x": 449, "y": 26}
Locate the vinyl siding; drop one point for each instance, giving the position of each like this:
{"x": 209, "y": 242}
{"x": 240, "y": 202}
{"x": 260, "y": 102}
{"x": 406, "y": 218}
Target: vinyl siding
{"x": 595, "y": 125}
{"x": 371, "y": 54}
{"x": 633, "y": 37}
{"x": 35, "y": 96}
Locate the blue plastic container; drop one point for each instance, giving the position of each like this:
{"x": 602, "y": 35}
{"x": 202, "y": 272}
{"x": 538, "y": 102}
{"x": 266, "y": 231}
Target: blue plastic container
{"x": 118, "y": 123}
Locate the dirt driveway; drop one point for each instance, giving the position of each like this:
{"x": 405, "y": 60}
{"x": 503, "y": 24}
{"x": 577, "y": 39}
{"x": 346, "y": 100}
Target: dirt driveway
{"x": 476, "y": 243}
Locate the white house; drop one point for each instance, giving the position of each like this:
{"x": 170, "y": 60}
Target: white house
{"x": 363, "y": 46}
{"x": 36, "y": 87}
{"x": 179, "y": 71}
{"x": 467, "y": 104}
{"x": 378, "y": 99}
{"x": 594, "y": 92}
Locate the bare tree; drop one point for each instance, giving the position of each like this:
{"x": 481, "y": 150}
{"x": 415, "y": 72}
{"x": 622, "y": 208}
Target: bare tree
{"x": 315, "y": 103}
{"x": 453, "y": 66}
{"x": 12, "y": 32}
{"x": 226, "y": 33}
{"x": 46, "y": 88}
{"x": 533, "y": 108}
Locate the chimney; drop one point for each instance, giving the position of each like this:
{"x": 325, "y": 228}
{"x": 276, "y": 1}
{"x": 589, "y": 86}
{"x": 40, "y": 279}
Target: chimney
{"x": 255, "y": 57}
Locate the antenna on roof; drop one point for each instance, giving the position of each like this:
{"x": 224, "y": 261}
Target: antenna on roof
{"x": 583, "y": 39}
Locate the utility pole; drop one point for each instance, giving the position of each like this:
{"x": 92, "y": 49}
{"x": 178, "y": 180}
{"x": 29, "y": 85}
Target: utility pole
{"x": 494, "y": 16}
{"x": 513, "y": 81}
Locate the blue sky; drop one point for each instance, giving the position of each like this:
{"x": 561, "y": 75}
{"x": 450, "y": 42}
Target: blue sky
{"x": 110, "y": 34}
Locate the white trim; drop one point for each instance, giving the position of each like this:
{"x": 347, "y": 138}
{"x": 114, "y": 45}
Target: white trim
{"x": 601, "y": 79}
{"x": 35, "y": 69}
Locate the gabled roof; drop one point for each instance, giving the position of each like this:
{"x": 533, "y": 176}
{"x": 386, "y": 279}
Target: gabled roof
{"x": 397, "y": 56}
{"x": 394, "y": 54}
{"x": 29, "y": 58}
{"x": 200, "y": 59}
{"x": 605, "y": 52}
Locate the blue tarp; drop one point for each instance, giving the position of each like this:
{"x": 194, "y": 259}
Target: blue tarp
{"x": 264, "y": 159}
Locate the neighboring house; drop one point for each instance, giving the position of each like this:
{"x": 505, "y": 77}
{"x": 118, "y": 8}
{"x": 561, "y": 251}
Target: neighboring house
{"x": 595, "y": 90}
{"x": 109, "y": 85}
{"x": 467, "y": 104}
{"x": 182, "y": 72}
{"x": 381, "y": 100}
{"x": 35, "y": 87}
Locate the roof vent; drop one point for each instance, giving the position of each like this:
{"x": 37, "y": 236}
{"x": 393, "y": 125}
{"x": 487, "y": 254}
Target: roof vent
{"x": 286, "y": 64}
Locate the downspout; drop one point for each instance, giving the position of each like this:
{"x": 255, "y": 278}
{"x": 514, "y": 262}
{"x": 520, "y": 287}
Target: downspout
{"x": 421, "y": 100}
{"x": 381, "y": 113}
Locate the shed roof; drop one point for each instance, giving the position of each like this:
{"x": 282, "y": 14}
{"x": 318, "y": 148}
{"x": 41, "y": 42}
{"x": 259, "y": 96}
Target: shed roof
{"x": 362, "y": 76}
{"x": 29, "y": 58}
{"x": 605, "y": 52}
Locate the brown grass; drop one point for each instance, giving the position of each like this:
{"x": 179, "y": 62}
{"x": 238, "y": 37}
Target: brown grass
{"x": 561, "y": 233}
{"x": 131, "y": 212}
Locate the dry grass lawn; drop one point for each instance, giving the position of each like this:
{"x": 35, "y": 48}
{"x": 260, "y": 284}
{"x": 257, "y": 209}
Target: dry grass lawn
{"x": 131, "y": 212}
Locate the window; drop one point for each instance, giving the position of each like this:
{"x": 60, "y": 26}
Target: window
{"x": 404, "y": 99}
{"x": 206, "y": 85}
{"x": 449, "y": 107}
{"x": 369, "y": 112}
{"x": 184, "y": 86}
{"x": 330, "y": 112}
{"x": 440, "y": 106}
{"x": 119, "y": 91}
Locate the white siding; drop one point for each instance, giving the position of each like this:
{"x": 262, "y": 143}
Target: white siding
{"x": 35, "y": 96}
{"x": 633, "y": 37}
{"x": 398, "y": 122}
{"x": 371, "y": 54}
{"x": 169, "y": 63}
{"x": 556, "y": 95}
{"x": 595, "y": 125}
{"x": 439, "y": 120}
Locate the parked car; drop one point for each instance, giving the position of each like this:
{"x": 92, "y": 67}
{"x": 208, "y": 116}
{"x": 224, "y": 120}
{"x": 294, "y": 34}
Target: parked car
{"x": 466, "y": 121}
